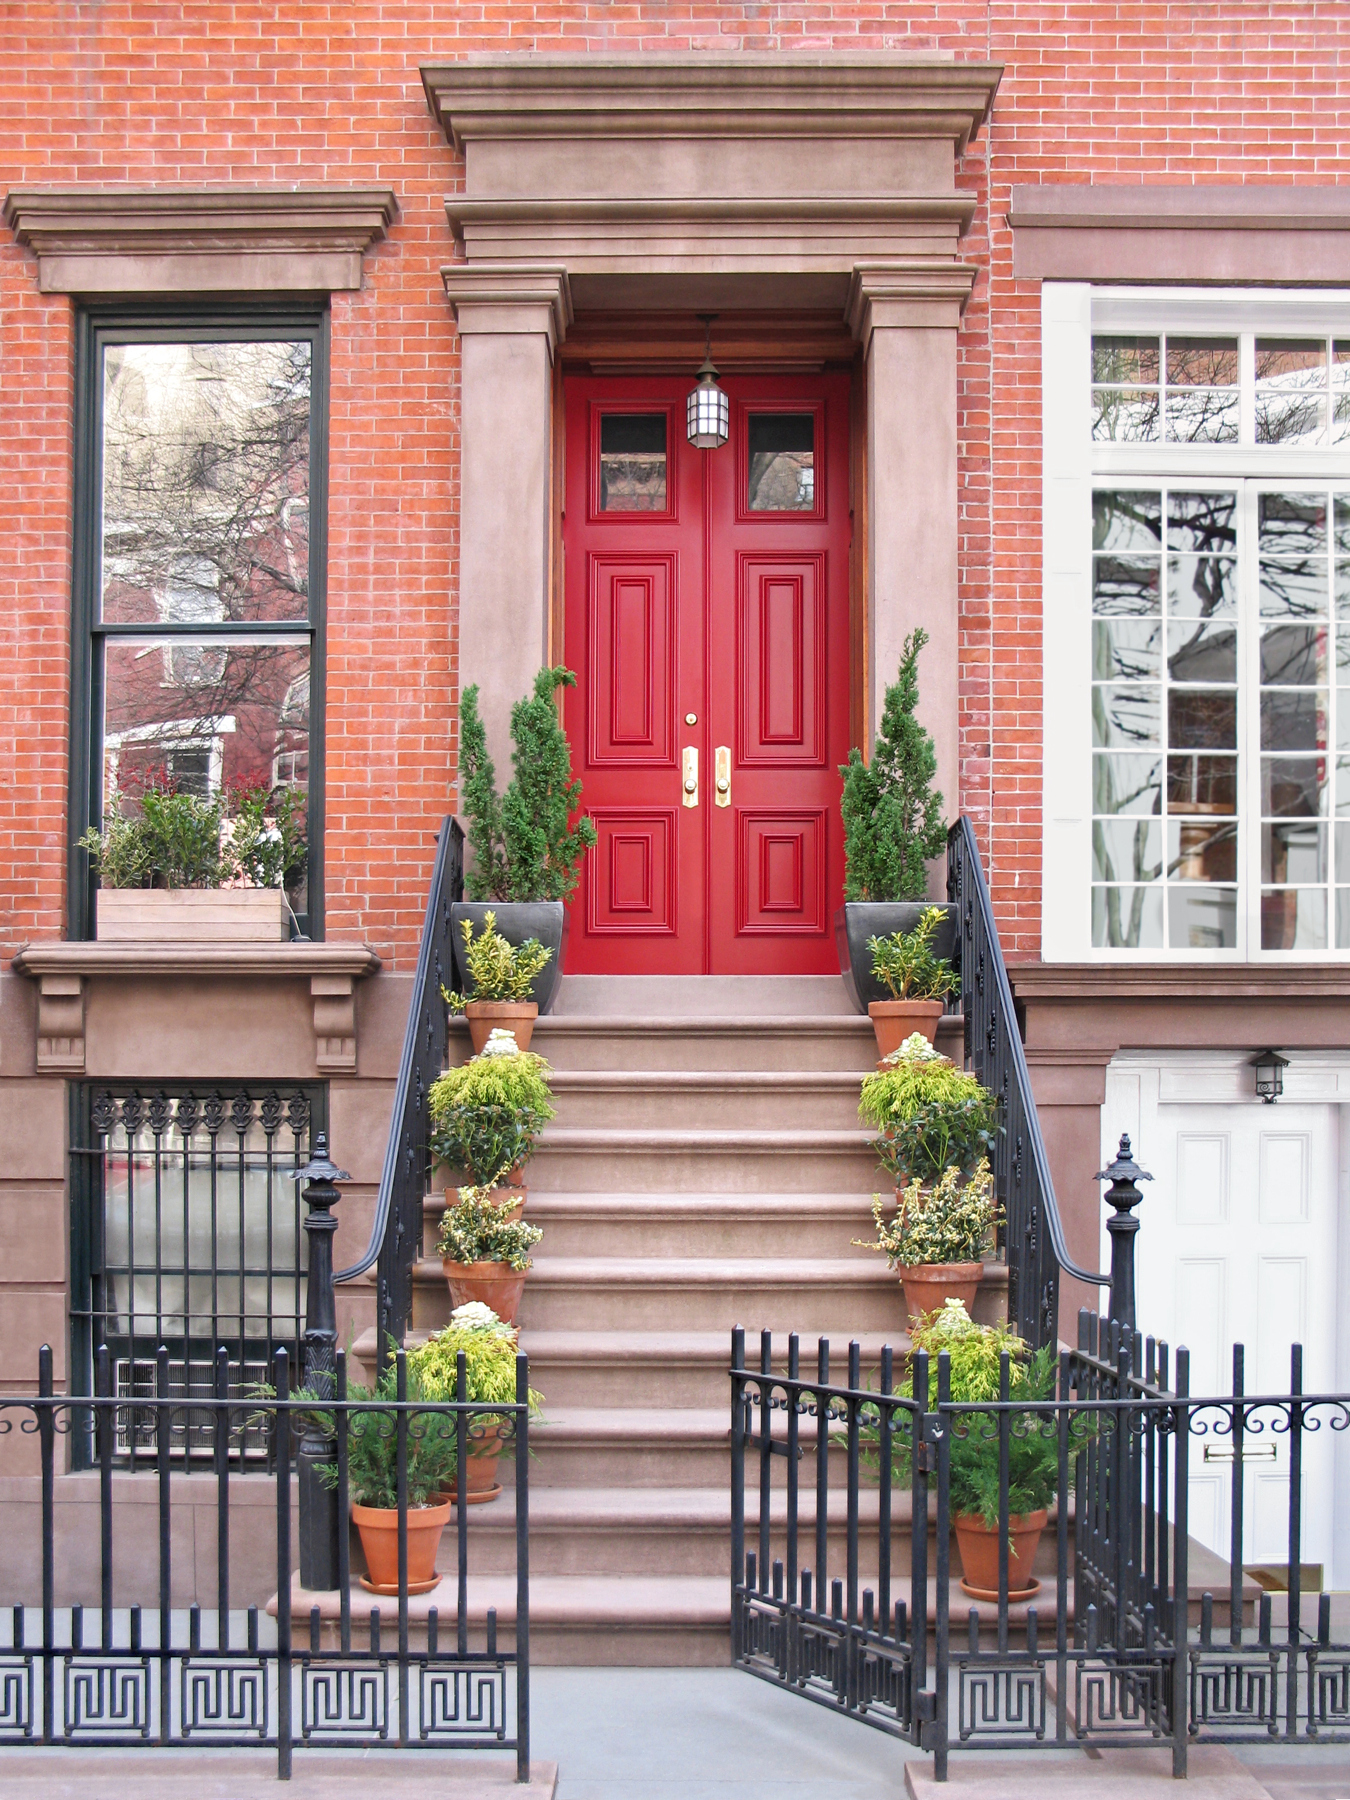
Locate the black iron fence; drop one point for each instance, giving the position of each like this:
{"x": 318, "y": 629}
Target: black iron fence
{"x": 153, "y": 1654}
{"x": 845, "y": 1589}
{"x": 396, "y": 1231}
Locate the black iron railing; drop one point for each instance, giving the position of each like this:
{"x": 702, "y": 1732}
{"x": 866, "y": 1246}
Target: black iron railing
{"x": 145, "y": 1651}
{"x": 1033, "y": 1232}
{"x": 396, "y": 1232}
{"x": 843, "y": 1580}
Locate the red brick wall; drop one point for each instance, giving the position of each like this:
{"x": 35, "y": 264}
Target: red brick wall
{"x": 216, "y": 91}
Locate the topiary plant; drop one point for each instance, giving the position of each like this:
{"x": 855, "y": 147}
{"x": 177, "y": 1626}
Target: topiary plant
{"x": 524, "y": 846}
{"x": 951, "y": 1222}
{"x": 904, "y": 962}
{"x": 478, "y": 1228}
{"x": 489, "y": 1348}
{"x": 892, "y": 814}
{"x": 497, "y": 970}
{"x": 929, "y": 1115}
{"x": 487, "y": 1113}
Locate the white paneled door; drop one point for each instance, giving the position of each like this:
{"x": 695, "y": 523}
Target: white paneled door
{"x": 1238, "y": 1244}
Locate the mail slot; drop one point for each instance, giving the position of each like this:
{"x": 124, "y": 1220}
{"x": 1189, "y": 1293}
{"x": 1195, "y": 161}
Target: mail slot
{"x": 1224, "y": 1453}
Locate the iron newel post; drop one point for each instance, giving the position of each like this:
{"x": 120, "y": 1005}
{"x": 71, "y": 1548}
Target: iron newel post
{"x": 317, "y": 1503}
{"x": 1124, "y": 1174}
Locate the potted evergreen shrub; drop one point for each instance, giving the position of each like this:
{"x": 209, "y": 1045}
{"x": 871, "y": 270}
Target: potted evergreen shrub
{"x": 893, "y": 826}
{"x": 500, "y": 977}
{"x": 486, "y": 1116}
{"x": 372, "y": 1479}
{"x": 489, "y": 1345}
{"x": 484, "y": 1247}
{"x": 178, "y": 867}
{"x": 1033, "y": 1456}
{"x": 935, "y": 1128}
{"x": 525, "y": 846}
{"x": 918, "y": 982}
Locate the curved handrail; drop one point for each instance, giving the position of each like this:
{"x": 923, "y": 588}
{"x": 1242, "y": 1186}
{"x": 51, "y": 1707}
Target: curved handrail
{"x": 421, "y": 1042}
{"x": 996, "y": 1035}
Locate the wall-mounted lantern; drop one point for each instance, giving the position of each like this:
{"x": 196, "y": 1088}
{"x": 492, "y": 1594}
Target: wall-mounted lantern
{"x": 1270, "y": 1067}
{"x": 708, "y": 411}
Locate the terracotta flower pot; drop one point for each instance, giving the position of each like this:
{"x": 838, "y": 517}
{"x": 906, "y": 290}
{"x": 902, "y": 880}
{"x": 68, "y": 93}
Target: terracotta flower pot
{"x": 378, "y": 1526}
{"x": 895, "y": 1020}
{"x": 486, "y": 1439}
{"x": 487, "y": 1016}
{"x": 978, "y": 1544}
{"x": 929, "y": 1286}
{"x": 496, "y": 1284}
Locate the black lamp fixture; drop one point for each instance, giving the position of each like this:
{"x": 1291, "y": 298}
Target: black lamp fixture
{"x": 1270, "y": 1067}
{"x": 708, "y": 411}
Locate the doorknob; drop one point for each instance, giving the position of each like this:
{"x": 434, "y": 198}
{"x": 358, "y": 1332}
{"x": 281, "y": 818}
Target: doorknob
{"x": 691, "y": 776}
{"x": 722, "y": 775}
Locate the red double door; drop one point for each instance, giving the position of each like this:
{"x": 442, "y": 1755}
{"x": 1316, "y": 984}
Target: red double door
{"x": 706, "y": 617}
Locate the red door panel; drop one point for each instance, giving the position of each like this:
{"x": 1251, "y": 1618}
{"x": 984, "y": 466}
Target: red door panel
{"x": 706, "y": 607}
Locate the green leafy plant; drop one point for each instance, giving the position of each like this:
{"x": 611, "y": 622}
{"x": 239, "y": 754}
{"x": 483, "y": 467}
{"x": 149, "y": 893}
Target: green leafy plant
{"x": 497, "y": 969}
{"x": 372, "y": 1446}
{"x": 267, "y": 836}
{"x": 904, "y": 962}
{"x": 160, "y": 837}
{"x": 489, "y": 1348}
{"x": 486, "y": 1115}
{"x": 928, "y": 1114}
{"x": 951, "y": 1222}
{"x": 892, "y": 814}
{"x": 524, "y": 846}
{"x": 478, "y": 1228}
{"x": 975, "y": 1353}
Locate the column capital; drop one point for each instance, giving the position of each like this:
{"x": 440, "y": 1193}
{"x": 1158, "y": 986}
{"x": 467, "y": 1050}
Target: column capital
{"x": 510, "y": 298}
{"x": 912, "y": 293}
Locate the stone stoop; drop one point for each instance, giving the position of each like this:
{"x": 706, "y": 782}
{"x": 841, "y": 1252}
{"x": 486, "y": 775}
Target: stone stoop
{"x": 706, "y": 1169}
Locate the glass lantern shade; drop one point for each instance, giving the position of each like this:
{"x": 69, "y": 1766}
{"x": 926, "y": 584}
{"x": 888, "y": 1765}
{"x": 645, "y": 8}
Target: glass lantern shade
{"x": 708, "y": 413}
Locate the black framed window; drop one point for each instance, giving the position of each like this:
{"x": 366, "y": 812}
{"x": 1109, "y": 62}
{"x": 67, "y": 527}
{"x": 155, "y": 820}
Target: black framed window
{"x": 200, "y": 514}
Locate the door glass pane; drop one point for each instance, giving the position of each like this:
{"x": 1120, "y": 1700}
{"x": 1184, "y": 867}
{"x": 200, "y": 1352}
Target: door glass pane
{"x": 633, "y": 462}
{"x": 205, "y": 483}
{"x": 782, "y": 451}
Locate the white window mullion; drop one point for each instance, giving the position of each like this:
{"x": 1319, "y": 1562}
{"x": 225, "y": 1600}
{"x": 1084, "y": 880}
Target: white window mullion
{"x": 1249, "y": 725}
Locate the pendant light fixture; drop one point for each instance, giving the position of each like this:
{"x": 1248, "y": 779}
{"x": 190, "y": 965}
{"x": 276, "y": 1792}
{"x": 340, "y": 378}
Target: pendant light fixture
{"x": 708, "y": 412}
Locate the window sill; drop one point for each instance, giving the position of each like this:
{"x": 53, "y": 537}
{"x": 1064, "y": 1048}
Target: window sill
{"x": 64, "y": 969}
{"x": 1180, "y": 981}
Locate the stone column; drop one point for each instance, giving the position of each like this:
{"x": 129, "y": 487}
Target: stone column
{"x": 511, "y": 318}
{"x": 906, "y": 316}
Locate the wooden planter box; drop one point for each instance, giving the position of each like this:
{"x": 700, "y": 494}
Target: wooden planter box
{"x": 192, "y": 916}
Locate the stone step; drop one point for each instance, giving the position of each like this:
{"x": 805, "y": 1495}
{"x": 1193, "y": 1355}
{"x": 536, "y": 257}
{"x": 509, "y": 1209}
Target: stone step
{"x": 708, "y": 1099}
{"x": 700, "y": 1162}
{"x": 664, "y": 1224}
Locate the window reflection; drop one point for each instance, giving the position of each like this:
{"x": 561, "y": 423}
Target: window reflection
{"x": 782, "y": 472}
{"x": 633, "y": 462}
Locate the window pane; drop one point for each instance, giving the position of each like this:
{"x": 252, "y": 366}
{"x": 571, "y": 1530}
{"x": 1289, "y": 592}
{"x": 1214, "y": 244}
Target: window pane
{"x": 1343, "y": 918}
{"x": 205, "y": 482}
{"x": 1200, "y": 719}
{"x": 1292, "y": 787}
{"x": 1125, "y": 717}
{"x": 1293, "y": 721}
{"x": 782, "y": 448}
{"x": 1202, "y": 784}
{"x": 1202, "y": 361}
{"x": 1125, "y": 415}
{"x": 1129, "y": 650}
{"x": 1125, "y": 359}
{"x": 1293, "y": 655}
{"x": 1126, "y": 520}
{"x": 1125, "y": 586}
{"x": 1293, "y": 850}
{"x": 1294, "y": 919}
{"x": 1291, "y": 382}
{"x": 1126, "y": 849}
{"x": 1294, "y": 590}
{"x": 1126, "y": 784}
{"x": 1127, "y": 918}
{"x": 1201, "y": 587}
{"x": 1340, "y": 391}
{"x": 1200, "y": 652}
{"x": 633, "y": 462}
{"x": 1202, "y": 522}
{"x": 1293, "y": 525}
{"x": 1202, "y": 918}
{"x": 1202, "y": 394}
{"x": 1201, "y": 850}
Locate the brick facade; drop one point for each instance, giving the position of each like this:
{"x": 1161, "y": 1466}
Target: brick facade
{"x": 209, "y": 93}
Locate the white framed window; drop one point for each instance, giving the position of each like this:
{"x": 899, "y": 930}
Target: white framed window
{"x": 1197, "y": 624}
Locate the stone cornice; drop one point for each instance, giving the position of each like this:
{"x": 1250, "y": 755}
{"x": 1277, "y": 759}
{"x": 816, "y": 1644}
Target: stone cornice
{"x": 201, "y": 962}
{"x": 510, "y": 297}
{"x": 1105, "y": 982}
{"x": 907, "y": 294}
{"x": 125, "y": 240}
{"x": 746, "y": 95}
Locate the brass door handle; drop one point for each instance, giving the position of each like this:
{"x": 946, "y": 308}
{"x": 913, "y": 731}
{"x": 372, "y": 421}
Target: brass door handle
{"x": 691, "y": 776}
{"x": 722, "y": 775}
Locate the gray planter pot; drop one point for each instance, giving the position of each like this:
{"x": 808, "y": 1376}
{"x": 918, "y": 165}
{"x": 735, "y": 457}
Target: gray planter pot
{"x": 516, "y": 921}
{"x": 858, "y": 920}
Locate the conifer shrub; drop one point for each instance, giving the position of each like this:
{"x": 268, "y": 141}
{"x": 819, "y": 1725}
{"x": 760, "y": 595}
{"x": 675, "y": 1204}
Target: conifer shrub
{"x": 892, "y": 813}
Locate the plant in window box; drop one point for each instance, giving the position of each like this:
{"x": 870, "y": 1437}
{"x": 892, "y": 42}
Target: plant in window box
{"x": 976, "y": 1353}
{"x": 893, "y": 827}
{"x": 489, "y": 1345}
{"x": 484, "y": 1247}
{"x": 486, "y": 1116}
{"x": 525, "y": 845}
{"x": 917, "y": 981}
{"x": 936, "y": 1127}
{"x": 178, "y": 866}
{"x": 499, "y": 976}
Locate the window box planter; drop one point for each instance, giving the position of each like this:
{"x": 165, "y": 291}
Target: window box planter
{"x": 192, "y": 915}
{"x": 858, "y": 920}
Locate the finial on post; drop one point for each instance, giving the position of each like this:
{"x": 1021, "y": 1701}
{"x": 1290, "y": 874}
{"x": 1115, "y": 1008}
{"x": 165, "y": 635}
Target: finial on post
{"x": 1123, "y": 1195}
{"x": 319, "y": 1524}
